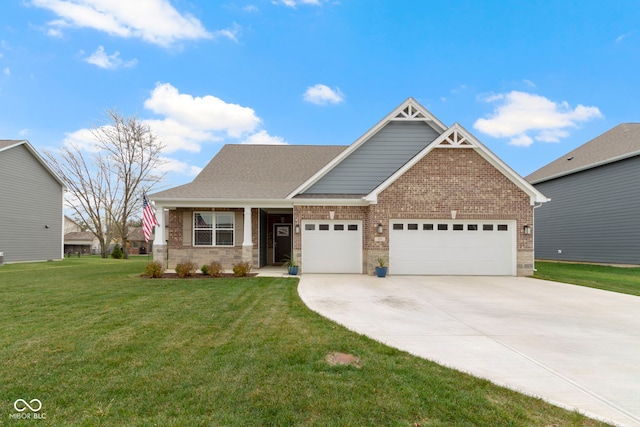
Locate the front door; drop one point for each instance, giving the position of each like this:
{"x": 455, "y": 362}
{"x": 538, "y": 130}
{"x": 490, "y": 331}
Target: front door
{"x": 281, "y": 242}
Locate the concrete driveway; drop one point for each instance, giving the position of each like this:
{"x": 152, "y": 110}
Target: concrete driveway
{"x": 576, "y": 347}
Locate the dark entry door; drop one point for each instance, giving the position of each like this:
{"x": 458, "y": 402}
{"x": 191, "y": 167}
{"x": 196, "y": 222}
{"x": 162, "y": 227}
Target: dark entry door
{"x": 281, "y": 242}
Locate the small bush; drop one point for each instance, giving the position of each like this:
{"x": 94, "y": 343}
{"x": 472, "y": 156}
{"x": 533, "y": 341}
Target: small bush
{"x": 117, "y": 252}
{"x": 205, "y": 269}
{"x": 186, "y": 269}
{"x": 215, "y": 269}
{"x": 154, "y": 270}
{"x": 241, "y": 269}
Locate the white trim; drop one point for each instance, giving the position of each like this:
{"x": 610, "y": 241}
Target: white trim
{"x": 213, "y": 229}
{"x": 535, "y": 195}
{"x": 418, "y": 113}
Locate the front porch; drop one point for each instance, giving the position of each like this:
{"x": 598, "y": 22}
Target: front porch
{"x": 262, "y": 236}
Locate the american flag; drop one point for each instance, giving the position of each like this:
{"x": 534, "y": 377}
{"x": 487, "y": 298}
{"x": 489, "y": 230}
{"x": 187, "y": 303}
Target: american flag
{"x": 148, "y": 218}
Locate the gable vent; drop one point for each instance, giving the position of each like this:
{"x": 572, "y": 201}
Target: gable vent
{"x": 455, "y": 139}
{"x": 410, "y": 113}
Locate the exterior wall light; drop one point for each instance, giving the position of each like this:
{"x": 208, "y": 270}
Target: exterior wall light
{"x": 297, "y": 228}
{"x": 526, "y": 229}
{"x": 380, "y": 228}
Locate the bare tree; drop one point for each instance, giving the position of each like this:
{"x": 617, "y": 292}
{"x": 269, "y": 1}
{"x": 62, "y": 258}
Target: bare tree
{"x": 85, "y": 181}
{"x": 106, "y": 183}
{"x": 132, "y": 155}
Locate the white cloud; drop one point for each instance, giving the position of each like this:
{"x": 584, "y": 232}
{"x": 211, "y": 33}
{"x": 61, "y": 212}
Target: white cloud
{"x": 264, "y": 138}
{"x": 176, "y": 136}
{"x": 229, "y": 33}
{"x": 83, "y": 139}
{"x": 294, "y": 3}
{"x": 623, "y": 36}
{"x": 154, "y": 21}
{"x": 187, "y": 122}
{"x": 6, "y": 71}
{"x": 24, "y": 132}
{"x": 111, "y": 62}
{"x": 206, "y": 113}
{"x": 525, "y": 118}
{"x": 173, "y": 165}
{"x": 321, "y": 95}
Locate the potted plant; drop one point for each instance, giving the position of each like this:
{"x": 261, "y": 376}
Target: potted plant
{"x": 381, "y": 269}
{"x": 291, "y": 265}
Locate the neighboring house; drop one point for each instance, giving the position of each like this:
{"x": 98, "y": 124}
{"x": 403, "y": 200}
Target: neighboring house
{"x": 31, "y": 199}
{"x": 78, "y": 241}
{"x": 136, "y": 243}
{"x": 430, "y": 199}
{"x": 595, "y": 201}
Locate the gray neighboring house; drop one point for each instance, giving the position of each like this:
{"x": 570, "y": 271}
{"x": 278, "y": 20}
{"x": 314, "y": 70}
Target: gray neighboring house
{"x": 594, "y": 212}
{"x": 31, "y": 205}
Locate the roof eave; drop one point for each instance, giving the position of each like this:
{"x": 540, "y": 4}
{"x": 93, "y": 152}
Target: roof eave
{"x": 586, "y": 167}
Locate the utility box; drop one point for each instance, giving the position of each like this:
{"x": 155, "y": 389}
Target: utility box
{"x": 1, "y": 258}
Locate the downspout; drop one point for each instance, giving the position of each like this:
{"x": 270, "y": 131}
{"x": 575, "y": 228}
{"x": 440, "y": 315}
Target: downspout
{"x": 533, "y": 236}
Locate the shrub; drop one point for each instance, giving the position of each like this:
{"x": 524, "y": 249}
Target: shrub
{"x": 205, "y": 269}
{"x": 241, "y": 269}
{"x": 186, "y": 269}
{"x": 117, "y": 252}
{"x": 215, "y": 269}
{"x": 154, "y": 270}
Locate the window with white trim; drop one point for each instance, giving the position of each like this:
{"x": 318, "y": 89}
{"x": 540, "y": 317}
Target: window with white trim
{"x": 213, "y": 228}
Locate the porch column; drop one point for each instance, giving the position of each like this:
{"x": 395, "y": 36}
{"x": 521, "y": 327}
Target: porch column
{"x": 247, "y": 243}
{"x": 247, "y": 227}
{"x": 160, "y": 242}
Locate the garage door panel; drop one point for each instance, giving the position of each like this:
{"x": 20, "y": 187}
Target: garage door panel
{"x": 332, "y": 246}
{"x": 468, "y": 250}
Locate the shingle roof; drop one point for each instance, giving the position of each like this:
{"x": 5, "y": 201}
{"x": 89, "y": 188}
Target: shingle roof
{"x": 244, "y": 171}
{"x": 4, "y": 143}
{"x": 621, "y": 142}
{"x": 79, "y": 235}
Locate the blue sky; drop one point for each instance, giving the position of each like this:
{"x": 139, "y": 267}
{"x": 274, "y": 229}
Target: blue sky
{"x": 531, "y": 80}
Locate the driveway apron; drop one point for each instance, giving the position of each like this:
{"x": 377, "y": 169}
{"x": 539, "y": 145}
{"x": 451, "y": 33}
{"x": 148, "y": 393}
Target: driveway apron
{"x": 576, "y": 347}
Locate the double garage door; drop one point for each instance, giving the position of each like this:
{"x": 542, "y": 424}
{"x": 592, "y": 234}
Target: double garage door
{"x": 428, "y": 247}
{"x": 452, "y": 247}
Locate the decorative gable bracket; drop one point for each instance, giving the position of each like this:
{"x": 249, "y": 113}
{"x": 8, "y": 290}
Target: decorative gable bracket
{"x": 455, "y": 139}
{"x": 410, "y": 112}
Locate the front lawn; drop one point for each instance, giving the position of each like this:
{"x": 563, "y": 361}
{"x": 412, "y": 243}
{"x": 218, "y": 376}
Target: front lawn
{"x": 99, "y": 345}
{"x": 616, "y": 279}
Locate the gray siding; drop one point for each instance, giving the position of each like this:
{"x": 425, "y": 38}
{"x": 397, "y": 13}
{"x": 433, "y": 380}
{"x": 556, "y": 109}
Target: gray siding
{"x": 30, "y": 198}
{"x": 593, "y": 216}
{"x": 377, "y": 159}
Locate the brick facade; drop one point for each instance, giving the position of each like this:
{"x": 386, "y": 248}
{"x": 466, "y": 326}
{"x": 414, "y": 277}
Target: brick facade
{"x": 450, "y": 179}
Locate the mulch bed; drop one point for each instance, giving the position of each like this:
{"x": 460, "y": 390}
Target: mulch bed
{"x": 197, "y": 276}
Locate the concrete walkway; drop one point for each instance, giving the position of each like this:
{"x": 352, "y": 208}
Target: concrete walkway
{"x": 576, "y": 347}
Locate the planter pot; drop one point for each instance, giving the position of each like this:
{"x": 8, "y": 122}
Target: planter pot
{"x": 293, "y": 271}
{"x": 381, "y": 271}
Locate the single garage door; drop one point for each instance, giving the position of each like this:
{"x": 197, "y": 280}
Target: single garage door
{"x": 332, "y": 246}
{"x": 445, "y": 247}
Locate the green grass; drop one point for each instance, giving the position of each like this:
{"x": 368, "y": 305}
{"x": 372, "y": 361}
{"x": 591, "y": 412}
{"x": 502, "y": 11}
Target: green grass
{"x": 99, "y": 345}
{"x": 615, "y": 279}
